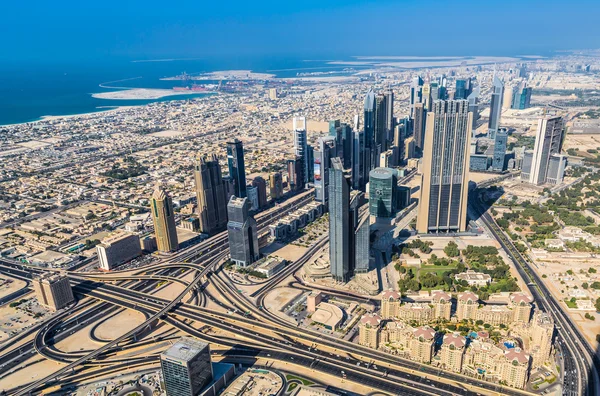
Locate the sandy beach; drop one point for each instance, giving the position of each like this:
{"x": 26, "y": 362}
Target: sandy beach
{"x": 143, "y": 94}
{"x": 457, "y": 61}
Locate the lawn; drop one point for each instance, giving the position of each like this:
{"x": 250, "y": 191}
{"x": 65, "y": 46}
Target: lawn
{"x": 304, "y": 381}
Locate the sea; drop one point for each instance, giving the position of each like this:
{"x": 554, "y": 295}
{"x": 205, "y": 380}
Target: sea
{"x": 32, "y": 90}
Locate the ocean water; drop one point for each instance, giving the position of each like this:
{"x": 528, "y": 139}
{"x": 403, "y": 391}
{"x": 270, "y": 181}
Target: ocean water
{"x": 31, "y": 91}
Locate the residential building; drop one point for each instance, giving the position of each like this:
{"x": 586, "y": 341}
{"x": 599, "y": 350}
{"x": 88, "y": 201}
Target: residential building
{"x": 295, "y": 174}
{"x": 117, "y": 249}
{"x": 421, "y": 344}
{"x": 390, "y": 304}
{"x": 442, "y": 304}
{"x": 164, "y": 221}
{"x": 53, "y": 290}
{"x": 445, "y": 181}
{"x": 242, "y": 231}
{"x": 521, "y": 307}
{"x": 514, "y": 368}
{"x": 369, "y": 330}
{"x": 548, "y": 141}
{"x": 473, "y": 99}
{"x": 466, "y": 306}
{"x": 452, "y": 352}
{"x": 276, "y": 185}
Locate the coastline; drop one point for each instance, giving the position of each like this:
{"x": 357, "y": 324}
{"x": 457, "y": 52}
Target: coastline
{"x": 146, "y": 94}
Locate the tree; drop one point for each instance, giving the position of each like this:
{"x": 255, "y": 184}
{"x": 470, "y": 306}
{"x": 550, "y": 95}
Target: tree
{"x": 597, "y": 305}
{"x": 451, "y": 249}
{"x": 585, "y": 285}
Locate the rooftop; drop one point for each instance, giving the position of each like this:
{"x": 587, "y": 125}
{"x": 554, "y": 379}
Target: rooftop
{"x": 185, "y": 349}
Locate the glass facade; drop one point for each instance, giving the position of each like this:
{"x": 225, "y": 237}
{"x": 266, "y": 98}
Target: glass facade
{"x": 382, "y": 192}
{"x": 237, "y": 170}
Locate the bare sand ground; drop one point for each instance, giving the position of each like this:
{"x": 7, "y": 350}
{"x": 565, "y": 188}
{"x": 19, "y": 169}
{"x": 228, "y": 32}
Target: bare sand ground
{"x": 279, "y": 297}
{"x": 119, "y": 324}
{"x": 168, "y": 133}
{"x": 287, "y": 252}
{"x": 142, "y": 94}
{"x": 31, "y": 373}
{"x": 311, "y": 126}
{"x": 12, "y": 287}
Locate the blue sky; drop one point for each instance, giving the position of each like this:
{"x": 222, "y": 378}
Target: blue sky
{"x": 132, "y": 29}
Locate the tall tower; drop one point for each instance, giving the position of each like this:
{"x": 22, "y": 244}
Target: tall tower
{"x": 237, "y": 170}
{"x": 445, "y": 182}
{"x": 242, "y": 232}
{"x": 415, "y": 93}
{"x": 419, "y": 114}
{"x": 164, "y": 221}
{"x": 359, "y": 162}
{"x": 495, "y": 107}
{"x": 500, "y": 150}
{"x": 548, "y": 141}
{"x": 339, "y": 223}
{"x": 380, "y": 131}
{"x": 473, "y": 99}
{"x": 211, "y": 194}
{"x": 301, "y": 148}
{"x": 275, "y": 185}
{"x": 389, "y": 115}
{"x": 327, "y": 150}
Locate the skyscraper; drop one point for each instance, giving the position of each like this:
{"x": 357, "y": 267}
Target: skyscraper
{"x": 380, "y": 130}
{"x": 295, "y": 174}
{"x": 327, "y": 150}
{"x": 521, "y": 97}
{"x": 275, "y": 185}
{"x": 164, "y": 221}
{"x": 369, "y": 128}
{"x": 426, "y": 95}
{"x": 186, "y": 367}
{"x": 389, "y": 115}
{"x": 419, "y": 125}
{"x": 242, "y": 232}
{"x": 261, "y": 188}
{"x": 548, "y": 141}
{"x": 495, "y": 107}
{"x": 237, "y": 170}
{"x": 359, "y": 162}
{"x": 500, "y": 150}
{"x": 383, "y": 197}
{"x": 462, "y": 90}
{"x": 473, "y": 99}
{"x": 53, "y": 290}
{"x": 211, "y": 195}
{"x": 415, "y": 93}
{"x": 347, "y": 142}
{"x": 556, "y": 169}
{"x": 339, "y": 223}
{"x": 310, "y": 158}
{"x": 301, "y": 148}
{"x": 445, "y": 182}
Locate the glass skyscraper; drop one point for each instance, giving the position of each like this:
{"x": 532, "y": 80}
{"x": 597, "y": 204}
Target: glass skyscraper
{"x": 242, "y": 232}
{"x": 500, "y": 150}
{"x": 211, "y": 195}
{"x": 495, "y": 107}
{"x": 237, "y": 170}
{"x": 383, "y": 197}
{"x": 444, "y": 183}
{"x": 164, "y": 221}
{"x": 186, "y": 367}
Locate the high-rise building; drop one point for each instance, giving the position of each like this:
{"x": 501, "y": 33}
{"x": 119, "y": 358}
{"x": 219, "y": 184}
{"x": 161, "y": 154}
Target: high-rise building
{"x": 445, "y": 181}
{"x": 252, "y": 195}
{"x": 500, "y": 142}
{"x": 369, "y": 119}
{"x": 273, "y": 93}
{"x": 310, "y": 158}
{"x": 495, "y": 107}
{"x": 462, "y": 89}
{"x": 426, "y": 96}
{"x": 186, "y": 367}
{"x": 118, "y": 248}
{"x": 339, "y": 223}
{"x": 383, "y": 197}
{"x": 409, "y": 148}
{"x": 473, "y": 99}
{"x": 556, "y": 169}
{"x": 452, "y": 352}
{"x": 345, "y": 151}
{"x": 359, "y": 161}
{"x": 164, "y": 221}
{"x": 53, "y": 290}
{"x": 237, "y": 170}
{"x": 548, "y": 141}
{"x": 399, "y": 134}
{"x": 242, "y": 232}
{"x": 521, "y": 98}
{"x": 419, "y": 122}
{"x": 301, "y": 148}
{"x": 276, "y": 185}
{"x": 389, "y": 115}
{"x": 211, "y": 194}
{"x": 261, "y": 188}
{"x": 362, "y": 233}
{"x": 326, "y": 151}
{"x": 507, "y": 100}
{"x": 415, "y": 93}
{"x": 295, "y": 173}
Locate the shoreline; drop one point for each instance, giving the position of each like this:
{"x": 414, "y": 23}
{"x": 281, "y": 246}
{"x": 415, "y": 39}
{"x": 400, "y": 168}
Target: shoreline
{"x": 146, "y": 94}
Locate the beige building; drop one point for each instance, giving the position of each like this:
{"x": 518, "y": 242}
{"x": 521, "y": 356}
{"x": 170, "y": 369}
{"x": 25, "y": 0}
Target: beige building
{"x": 276, "y": 185}
{"x": 537, "y": 337}
{"x": 53, "y": 290}
{"x": 521, "y": 306}
{"x": 452, "y": 352}
{"x": 442, "y": 304}
{"x": 418, "y": 312}
{"x": 312, "y": 300}
{"x": 118, "y": 248}
{"x": 481, "y": 360}
{"x": 390, "y": 304}
{"x": 494, "y": 314}
{"x": 466, "y": 305}
{"x": 422, "y": 344}
{"x": 514, "y": 368}
{"x": 164, "y": 221}
{"x": 369, "y": 330}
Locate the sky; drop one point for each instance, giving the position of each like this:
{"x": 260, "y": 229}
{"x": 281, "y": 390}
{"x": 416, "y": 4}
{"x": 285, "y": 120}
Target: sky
{"x": 75, "y": 30}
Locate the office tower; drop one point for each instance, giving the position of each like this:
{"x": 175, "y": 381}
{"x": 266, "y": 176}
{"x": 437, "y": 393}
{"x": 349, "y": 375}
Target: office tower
{"x": 252, "y": 195}
{"x": 242, "y": 231}
{"x": 347, "y": 143}
{"x": 389, "y": 115}
{"x": 426, "y": 96}
{"x": 118, "y": 248}
{"x": 186, "y": 367}
{"x": 339, "y": 223}
{"x": 310, "y": 158}
{"x": 383, "y": 197}
{"x": 273, "y": 93}
{"x": 211, "y": 195}
{"x": 500, "y": 143}
{"x": 301, "y": 148}
{"x": 164, "y": 221}
{"x": 462, "y": 90}
{"x": 399, "y": 134}
{"x": 275, "y": 185}
{"x": 526, "y": 165}
{"x": 419, "y": 121}
{"x": 548, "y": 141}
{"x": 473, "y": 99}
{"x": 404, "y": 196}
{"x": 327, "y": 150}
{"x": 390, "y": 158}
{"x": 334, "y": 126}
{"x": 369, "y": 128}
{"x": 445, "y": 181}
{"x": 507, "y": 99}
{"x": 362, "y": 234}
{"x": 295, "y": 174}
{"x": 556, "y": 169}
{"x": 479, "y": 162}
{"x": 495, "y": 107}
{"x": 409, "y": 148}
{"x": 237, "y": 170}
{"x": 434, "y": 90}
{"x": 261, "y": 188}
{"x": 521, "y": 98}
{"x": 53, "y": 290}
{"x": 415, "y": 93}
{"x": 359, "y": 162}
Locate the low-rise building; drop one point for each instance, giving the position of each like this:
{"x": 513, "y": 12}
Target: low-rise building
{"x": 474, "y": 278}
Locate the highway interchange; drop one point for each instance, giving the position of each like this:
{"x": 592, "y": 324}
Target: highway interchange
{"x": 252, "y": 331}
